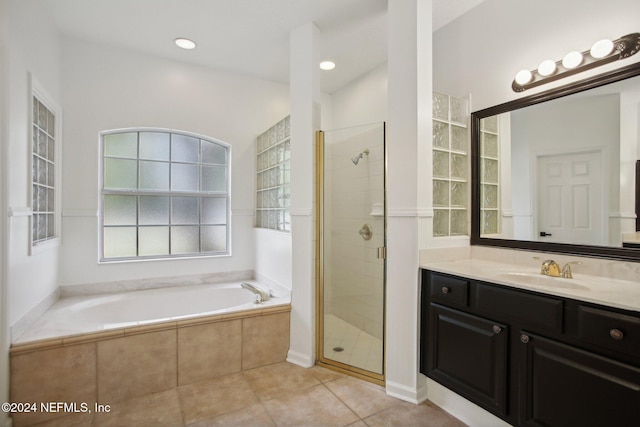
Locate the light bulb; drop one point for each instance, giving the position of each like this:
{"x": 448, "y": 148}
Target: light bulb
{"x": 572, "y": 60}
{"x": 601, "y": 48}
{"x": 523, "y": 77}
{"x": 546, "y": 68}
{"x": 327, "y": 65}
{"x": 185, "y": 43}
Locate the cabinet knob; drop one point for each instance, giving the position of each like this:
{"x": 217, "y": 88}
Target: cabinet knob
{"x": 524, "y": 338}
{"x": 616, "y": 334}
{"x": 496, "y": 329}
{"x": 445, "y": 290}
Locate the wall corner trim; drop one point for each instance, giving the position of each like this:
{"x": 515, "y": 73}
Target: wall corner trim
{"x": 19, "y": 211}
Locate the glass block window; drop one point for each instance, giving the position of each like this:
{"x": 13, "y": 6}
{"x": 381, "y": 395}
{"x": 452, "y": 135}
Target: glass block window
{"x": 489, "y": 176}
{"x": 164, "y": 194}
{"x": 273, "y": 180}
{"x": 450, "y": 165}
{"x": 43, "y": 173}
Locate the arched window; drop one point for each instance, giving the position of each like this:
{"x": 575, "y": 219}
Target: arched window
{"x": 165, "y": 194}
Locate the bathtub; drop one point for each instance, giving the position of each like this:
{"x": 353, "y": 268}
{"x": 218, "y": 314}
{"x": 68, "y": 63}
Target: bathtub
{"x": 94, "y": 313}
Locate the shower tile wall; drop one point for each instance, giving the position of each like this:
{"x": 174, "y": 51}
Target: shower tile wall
{"x": 354, "y": 197}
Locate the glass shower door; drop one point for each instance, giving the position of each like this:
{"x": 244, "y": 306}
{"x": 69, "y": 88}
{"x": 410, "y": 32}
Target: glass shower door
{"x": 351, "y": 244}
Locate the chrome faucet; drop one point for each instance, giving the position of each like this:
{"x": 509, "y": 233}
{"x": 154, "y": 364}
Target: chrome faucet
{"x": 261, "y": 296}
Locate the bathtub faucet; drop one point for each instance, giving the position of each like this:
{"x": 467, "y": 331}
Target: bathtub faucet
{"x": 261, "y": 296}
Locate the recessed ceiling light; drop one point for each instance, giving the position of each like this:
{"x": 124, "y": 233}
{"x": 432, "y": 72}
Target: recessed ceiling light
{"x": 327, "y": 65}
{"x": 185, "y": 43}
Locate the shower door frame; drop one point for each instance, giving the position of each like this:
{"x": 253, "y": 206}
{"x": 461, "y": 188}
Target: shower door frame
{"x": 382, "y": 252}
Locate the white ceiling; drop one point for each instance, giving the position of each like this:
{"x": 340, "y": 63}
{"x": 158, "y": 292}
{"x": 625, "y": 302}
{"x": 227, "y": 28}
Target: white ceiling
{"x": 244, "y": 36}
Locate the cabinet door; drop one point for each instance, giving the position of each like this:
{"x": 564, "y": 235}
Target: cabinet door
{"x": 468, "y": 354}
{"x": 567, "y": 387}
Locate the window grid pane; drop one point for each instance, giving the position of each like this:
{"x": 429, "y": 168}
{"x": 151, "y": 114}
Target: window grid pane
{"x": 170, "y": 199}
{"x": 273, "y": 177}
{"x": 43, "y": 224}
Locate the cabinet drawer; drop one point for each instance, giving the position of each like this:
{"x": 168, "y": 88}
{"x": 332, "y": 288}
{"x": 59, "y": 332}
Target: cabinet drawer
{"x": 537, "y": 311}
{"x": 451, "y": 291}
{"x": 612, "y": 331}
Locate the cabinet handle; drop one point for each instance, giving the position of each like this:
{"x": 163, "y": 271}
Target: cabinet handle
{"x": 496, "y": 329}
{"x": 616, "y": 334}
{"x": 524, "y": 338}
{"x": 445, "y": 290}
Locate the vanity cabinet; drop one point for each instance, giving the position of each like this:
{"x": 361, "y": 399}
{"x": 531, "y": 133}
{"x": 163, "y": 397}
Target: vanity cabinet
{"x": 530, "y": 358}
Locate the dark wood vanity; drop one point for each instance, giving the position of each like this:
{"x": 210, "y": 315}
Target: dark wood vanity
{"x": 531, "y": 358}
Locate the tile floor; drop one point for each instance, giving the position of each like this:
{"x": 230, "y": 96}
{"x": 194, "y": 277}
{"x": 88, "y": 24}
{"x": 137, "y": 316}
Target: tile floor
{"x": 275, "y": 395}
{"x": 360, "y": 349}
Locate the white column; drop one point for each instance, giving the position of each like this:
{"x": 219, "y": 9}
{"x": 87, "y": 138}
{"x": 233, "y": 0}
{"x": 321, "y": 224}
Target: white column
{"x": 305, "y": 120}
{"x": 409, "y": 181}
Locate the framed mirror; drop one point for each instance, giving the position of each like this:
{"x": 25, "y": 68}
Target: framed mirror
{"x": 556, "y": 171}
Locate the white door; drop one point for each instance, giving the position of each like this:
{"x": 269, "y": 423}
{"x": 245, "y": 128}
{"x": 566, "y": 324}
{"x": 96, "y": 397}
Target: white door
{"x": 570, "y": 199}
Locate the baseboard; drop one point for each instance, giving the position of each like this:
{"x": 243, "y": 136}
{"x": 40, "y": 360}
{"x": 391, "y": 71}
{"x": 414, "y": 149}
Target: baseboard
{"x": 300, "y": 359}
{"x": 408, "y": 394}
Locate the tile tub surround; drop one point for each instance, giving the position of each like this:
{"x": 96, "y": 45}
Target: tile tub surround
{"x": 277, "y": 395}
{"x": 131, "y": 363}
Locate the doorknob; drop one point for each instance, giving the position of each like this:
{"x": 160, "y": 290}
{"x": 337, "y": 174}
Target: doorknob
{"x": 366, "y": 232}
{"x": 544, "y": 234}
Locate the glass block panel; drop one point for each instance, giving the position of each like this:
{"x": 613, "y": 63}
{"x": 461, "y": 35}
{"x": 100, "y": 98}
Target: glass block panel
{"x": 458, "y": 223}
{"x": 489, "y": 124}
{"x": 153, "y": 241}
{"x": 42, "y": 172}
{"x": 489, "y": 196}
{"x": 287, "y": 150}
{"x": 34, "y": 227}
{"x": 214, "y": 178}
{"x": 184, "y": 177}
{"x": 42, "y": 200}
{"x": 51, "y": 226}
{"x": 440, "y": 106}
{"x": 459, "y": 110}
{"x": 154, "y": 176}
{"x": 154, "y": 210}
{"x": 440, "y": 134}
{"x": 51, "y": 152}
{"x": 441, "y": 222}
{"x": 459, "y": 138}
{"x": 120, "y": 242}
{"x": 490, "y": 171}
{"x": 213, "y": 238}
{"x": 50, "y": 200}
{"x": 214, "y": 210}
{"x": 280, "y": 131}
{"x": 34, "y": 198}
{"x": 42, "y": 116}
{"x": 35, "y": 106}
{"x": 287, "y": 126}
{"x": 213, "y": 153}
{"x": 185, "y": 148}
{"x": 154, "y": 146}
{"x": 440, "y": 193}
{"x": 184, "y": 210}
{"x": 42, "y": 227}
{"x": 489, "y": 222}
{"x": 51, "y": 174}
{"x": 121, "y": 145}
{"x": 489, "y": 144}
{"x": 120, "y": 174}
{"x": 441, "y": 164}
{"x": 185, "y": 239}
{"x": 51, "y": 123}
{"x": 459, "y": 194}
{"x": 459, "y": 166}
{"x": 42, "y": 144}
{"x": 119, "y": 210}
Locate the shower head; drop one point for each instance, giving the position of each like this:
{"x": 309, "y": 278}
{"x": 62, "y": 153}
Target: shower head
{"x": 357, "y": 158}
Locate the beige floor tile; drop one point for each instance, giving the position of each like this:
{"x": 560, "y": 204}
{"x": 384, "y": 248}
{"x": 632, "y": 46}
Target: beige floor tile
{"x": 407, "y": 414}
{"x": 207, "y": 399}
{"x": 73, "y": 420}
{"x": 201, "y": 355}
{"x": 358, "y": 423}
{"x": 67, "y": 372}
{"x": 265, "y": 340}
{"x": 154, "y": 410}
{"x": 146, "y": 362}
{"x": 312, "y": 406}
{"x": 253, "y": 416}
{"x": 363, "y": 398}
{"x": 273, "y": 380}
{"x": 324, "y": 374}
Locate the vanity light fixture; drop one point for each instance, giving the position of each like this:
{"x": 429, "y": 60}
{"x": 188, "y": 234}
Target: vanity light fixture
{"x": 602, "y": 52}
{"x": 185, "y": 43}
{"x": 327, "y": 65}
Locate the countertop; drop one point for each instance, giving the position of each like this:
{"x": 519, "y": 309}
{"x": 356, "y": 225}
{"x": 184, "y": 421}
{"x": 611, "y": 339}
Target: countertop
{"x": 602, "y": 290}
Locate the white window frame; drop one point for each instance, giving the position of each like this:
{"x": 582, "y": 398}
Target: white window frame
{"x": 169, "y": 193}
{"x": 37, "y": 90}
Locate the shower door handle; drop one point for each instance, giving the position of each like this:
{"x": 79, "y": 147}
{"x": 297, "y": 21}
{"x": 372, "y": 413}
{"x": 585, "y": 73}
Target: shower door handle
{"x": 382, "y": 252}
{"x": 366, "y": 232}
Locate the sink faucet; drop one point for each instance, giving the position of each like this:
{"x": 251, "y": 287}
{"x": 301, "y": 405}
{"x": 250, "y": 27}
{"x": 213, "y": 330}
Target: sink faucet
{"x": 550, "y": 268}
{"x": 261, "y": 296}
{"x": 566, "y": 270}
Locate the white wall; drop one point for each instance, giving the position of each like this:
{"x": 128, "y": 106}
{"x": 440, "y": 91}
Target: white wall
{"x": 362, "y": 101}
{"x": 108, "y": 88}
{"x": 34, "y": 48}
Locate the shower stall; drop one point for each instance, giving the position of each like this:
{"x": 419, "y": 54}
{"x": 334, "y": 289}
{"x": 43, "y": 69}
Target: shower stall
{"x": 351, "y": 165}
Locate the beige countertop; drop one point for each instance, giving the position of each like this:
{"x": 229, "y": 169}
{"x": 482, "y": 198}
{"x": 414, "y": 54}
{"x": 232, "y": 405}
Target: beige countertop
{"x": 624, "y": 294}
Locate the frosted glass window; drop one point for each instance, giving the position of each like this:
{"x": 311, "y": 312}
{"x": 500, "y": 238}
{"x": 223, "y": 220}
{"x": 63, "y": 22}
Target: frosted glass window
{"x": 273, "y": 177}
{"x": 157, "y": 199}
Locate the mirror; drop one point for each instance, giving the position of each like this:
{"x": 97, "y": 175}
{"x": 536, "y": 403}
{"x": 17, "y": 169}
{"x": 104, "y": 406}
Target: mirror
{"x": 555, "y": 171}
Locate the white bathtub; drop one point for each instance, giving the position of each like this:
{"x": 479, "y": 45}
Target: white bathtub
{"x": 94, "y": 313}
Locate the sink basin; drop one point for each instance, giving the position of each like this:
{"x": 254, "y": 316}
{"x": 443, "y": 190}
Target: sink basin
{"x": 541, "y": 280}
